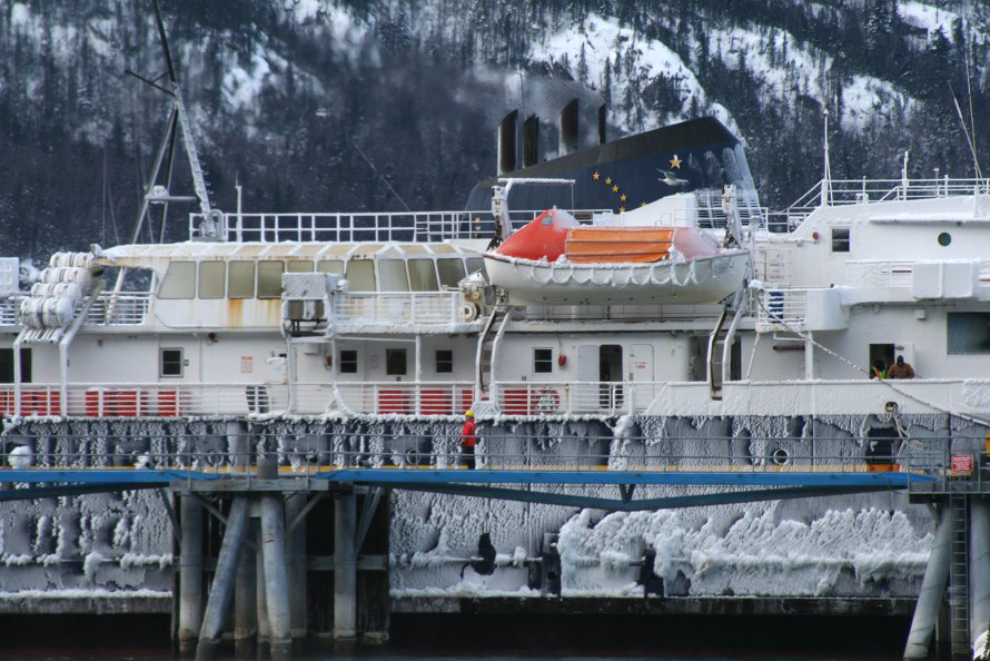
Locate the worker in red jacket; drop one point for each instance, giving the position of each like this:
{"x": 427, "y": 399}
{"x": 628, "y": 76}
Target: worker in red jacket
{"x": 469, "y": 438}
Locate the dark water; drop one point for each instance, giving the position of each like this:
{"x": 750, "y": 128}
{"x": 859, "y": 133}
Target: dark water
{"x": 510, "y": 637}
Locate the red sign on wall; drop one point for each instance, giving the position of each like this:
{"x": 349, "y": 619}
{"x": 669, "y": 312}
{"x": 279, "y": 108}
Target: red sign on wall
{"x": 961, "y": 464}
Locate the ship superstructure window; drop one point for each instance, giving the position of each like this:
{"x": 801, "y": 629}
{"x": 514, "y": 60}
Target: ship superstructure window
{"x": 543, "y": 361}
{"x": 241, "y": 279}
{"x": 270, "y": 279}
{"x": 475, "y": 264}
{"x": 361, "y": 275}
{"x": 422, "y": 275}
{"x": 969, "y": 333}
{"x": 335, "y": 266}
{"x": 7, "y": 366}
{"x": 212, "y": 279}
{"x": 840, "y": 239}
{"x": 395, "y": 362}
{"x": 170, "y": 362}
{"x": 299, "y": 266}
{"x": 179, "y": 281}
{"x": 348, "y": 361}
{"x": 451, "y": 272}
{"x": 944, "y": 239}
{"x": 445, "y": 361}
{"x": 392, "y": 275}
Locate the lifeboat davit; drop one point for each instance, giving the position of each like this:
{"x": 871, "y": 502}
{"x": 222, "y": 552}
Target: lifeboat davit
{"x": 556, "y": 260}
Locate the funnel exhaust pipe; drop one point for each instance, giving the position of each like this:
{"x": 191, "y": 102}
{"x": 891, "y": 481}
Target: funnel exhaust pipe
{"x": 507, "y": 143}
{"x": 602, "y": 118}
{"x": 567, "y": 128}
{"x": 531, "y": 141}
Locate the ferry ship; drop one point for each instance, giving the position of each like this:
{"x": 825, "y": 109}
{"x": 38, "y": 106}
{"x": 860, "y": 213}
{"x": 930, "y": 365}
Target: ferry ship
{"x": 666, "y": 319}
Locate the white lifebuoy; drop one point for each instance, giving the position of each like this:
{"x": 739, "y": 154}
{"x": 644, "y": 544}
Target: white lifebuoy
{"x": 469, "y": 312}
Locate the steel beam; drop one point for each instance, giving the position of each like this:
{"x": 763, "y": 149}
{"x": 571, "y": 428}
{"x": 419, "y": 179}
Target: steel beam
{"x": 646, "y": 504}
{"x": 32, "y": 493}
{"x": 345, "y": 567}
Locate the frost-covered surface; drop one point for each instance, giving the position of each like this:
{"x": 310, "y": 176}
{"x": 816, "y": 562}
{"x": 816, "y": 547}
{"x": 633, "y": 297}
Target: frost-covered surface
{"x": 851, "y": 546}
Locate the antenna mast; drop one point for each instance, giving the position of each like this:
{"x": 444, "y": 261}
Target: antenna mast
{"x": 827, "y": 174}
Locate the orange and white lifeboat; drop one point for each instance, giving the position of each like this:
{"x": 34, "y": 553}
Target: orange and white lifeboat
{"x": 555, "y": 260}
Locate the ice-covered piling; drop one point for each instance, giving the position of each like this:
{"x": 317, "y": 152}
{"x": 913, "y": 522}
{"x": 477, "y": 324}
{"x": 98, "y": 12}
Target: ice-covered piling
{"x": 276, "y": 576}
{"x": 222, "y": 589}
{"x": 345, "y": 567}
{"x": 190, "y": 572}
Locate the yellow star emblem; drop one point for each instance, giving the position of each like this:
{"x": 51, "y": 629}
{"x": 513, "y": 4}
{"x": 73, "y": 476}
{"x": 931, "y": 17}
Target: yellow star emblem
{"x": 596, "y": 176}
{"x": 609, "y": 181}
{"x": 675, "y": 162}
{"x": 615, "y": 189}
{"x": 623, "y": 197}
{"x": 622, "y": 209}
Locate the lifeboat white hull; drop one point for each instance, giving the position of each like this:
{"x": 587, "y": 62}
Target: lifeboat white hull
{"x": 689, "y": 282}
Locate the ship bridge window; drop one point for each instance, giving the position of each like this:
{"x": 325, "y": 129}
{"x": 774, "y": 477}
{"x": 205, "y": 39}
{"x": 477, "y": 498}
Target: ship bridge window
{"x": 179, "y": 281}
{"x": 270, "y": 279}
{"x": 361, "y": 275}
{"x": 334, "y": 266}
{"x": 451, "y": 272}
{"x": 241, "y": 279}
{"x": 840, "y": 239}
{"x": 969, "y": 333}
{"x": 299, "y": 266}
{"x": 212, "y": 279}
{"x": 422, "y": 275}
{"x": 476, "y": 264}
{"x": 392, "y": 275}
{"x": 445, "y": 361}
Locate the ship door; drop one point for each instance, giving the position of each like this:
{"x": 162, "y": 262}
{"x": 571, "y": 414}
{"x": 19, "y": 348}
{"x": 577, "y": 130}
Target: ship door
{"x": 884, "y": 352}
{"x": 641, "y": 374}
{"x": 609, "y": 373}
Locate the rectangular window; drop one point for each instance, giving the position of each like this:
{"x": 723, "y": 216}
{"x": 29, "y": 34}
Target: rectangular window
{"x": 7, "y": 366}
{"x": 969, "y": 333}
{"x": 212, "y": 279}
{"x": 395, "y": 362}
{"x": 300, "y": 266}
{"x": 543, "y": 361}
{"x": 445, "y": 361}
{"x": 348, "y": 361}
{"x": 270, "y": 279}
{"x": 392, "y": 275}
{"x": 475, "y": 264}
{"x": 451, "y": 272}
{"x": 840, "y": 239}
{"x": 241, "y": 279}
{"x": 171, "y": 362}
{"x": 179, "y": 281}
{"x": 334, "y": 266}
{"x": 361, "y": 275}
{"x": 422, "y": 275}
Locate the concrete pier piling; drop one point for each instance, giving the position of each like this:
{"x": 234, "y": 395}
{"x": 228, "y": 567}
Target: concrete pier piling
{"x": 296, "y": 552}
{"x": 222, "y": 589}
{"x": 276, "y": 575}
{"x": 979, "y": 571}
{"x": 245, "y": 597}
{"x": 345, "y": 567}
{"x": 933, "y": 586}
{"x": 261, "y": 594}
{"x": 190, "y": 572}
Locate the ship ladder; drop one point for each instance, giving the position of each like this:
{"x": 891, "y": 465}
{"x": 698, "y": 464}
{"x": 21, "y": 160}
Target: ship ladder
{"x": 486, "y": 345}
{"x": 959, "y": 576}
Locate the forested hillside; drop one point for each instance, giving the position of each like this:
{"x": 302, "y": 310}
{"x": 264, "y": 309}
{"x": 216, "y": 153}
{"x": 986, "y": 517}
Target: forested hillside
{"x": 284, "y": 94}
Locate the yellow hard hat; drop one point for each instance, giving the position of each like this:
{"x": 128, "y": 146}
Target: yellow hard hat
{"x": 469, "y": 414}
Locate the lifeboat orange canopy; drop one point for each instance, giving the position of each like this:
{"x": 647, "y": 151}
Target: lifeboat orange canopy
{"x": 623, "y": 245}
{"x": 543, "y": 238}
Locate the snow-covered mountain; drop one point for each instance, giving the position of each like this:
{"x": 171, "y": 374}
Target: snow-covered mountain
{"x": 285, "y": 93}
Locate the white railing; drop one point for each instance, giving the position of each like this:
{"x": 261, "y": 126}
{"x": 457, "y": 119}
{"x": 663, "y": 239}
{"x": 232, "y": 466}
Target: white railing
{"x": 8, "y": 309}
{"x": 395, "y": 309}
{"x": 120, "y": 309}
{"x": 353, "y": 227}
{"x": 779, "y": 309}
{"x": 869, "y": 273}
{"x": 528, "y": 398}
{"x": 390, "y": 398}
{"x": 841, "y": 192}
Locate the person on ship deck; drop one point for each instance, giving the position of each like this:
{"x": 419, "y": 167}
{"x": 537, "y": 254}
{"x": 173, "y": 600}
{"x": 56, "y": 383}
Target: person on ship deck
{"x": 900, "y": 370}
{"x": 469, "y": 438}
{"x": 879, "y": 369}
